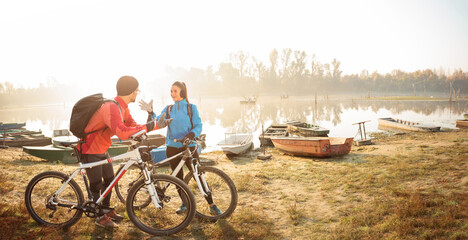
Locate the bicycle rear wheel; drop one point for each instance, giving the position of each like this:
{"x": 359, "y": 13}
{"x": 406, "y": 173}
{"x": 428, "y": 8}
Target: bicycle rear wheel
{"x": 122, "y": 187}
{"x": 223, "y": 192}
{"x": 50, "y": 210}
{"x": 172, "y": 192}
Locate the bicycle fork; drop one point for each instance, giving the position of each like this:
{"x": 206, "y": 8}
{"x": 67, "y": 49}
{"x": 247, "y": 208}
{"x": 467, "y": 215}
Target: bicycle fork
{"x": 202, "y": 185}
{"x": 152, "y": 190}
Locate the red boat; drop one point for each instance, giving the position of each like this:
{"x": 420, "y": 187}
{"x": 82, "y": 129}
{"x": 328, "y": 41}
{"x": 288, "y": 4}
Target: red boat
{"x": 462, "y": 123}
{"x": 314, "y": 146}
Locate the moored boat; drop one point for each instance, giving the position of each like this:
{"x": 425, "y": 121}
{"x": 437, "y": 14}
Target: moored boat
{"x": 61, "y": 132}
{"x": 236, "y": 143}
{"x": 22, "y": 140}
{"x": 15, "y": 135}
{"x": 251, "y": 100}
{"x": 274, "y": 130}
{"x": 462, "y": 124}
{"x": 66, "y": 154}
{"x": 18, "y": 131}
{"x": 393, "y": 123}
{"x": 159, "y": 154}
{"x": 314, "y": 146}
{"x": 56, "y": 140}
{"x": 6, "y": 126}
{"x": 153, "y": 140}
{"x": 306, "y": 129}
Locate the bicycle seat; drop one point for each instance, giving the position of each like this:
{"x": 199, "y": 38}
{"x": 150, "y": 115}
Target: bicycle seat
{"x": 68, "y": 144}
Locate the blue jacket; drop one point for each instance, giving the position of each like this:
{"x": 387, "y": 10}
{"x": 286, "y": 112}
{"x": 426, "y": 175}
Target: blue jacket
{"x": 180, "y": 125}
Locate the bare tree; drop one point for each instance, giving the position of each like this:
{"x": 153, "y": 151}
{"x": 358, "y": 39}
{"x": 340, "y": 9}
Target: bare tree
{"x": 239, "y": 60}
{"x": 285, "y": 74}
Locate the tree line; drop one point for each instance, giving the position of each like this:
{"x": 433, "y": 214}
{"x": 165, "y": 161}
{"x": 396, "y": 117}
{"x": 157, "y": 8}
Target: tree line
{"x": 294, "y": 72}
{"x": 288, "y": 71}
{"x": 45, "y": 93}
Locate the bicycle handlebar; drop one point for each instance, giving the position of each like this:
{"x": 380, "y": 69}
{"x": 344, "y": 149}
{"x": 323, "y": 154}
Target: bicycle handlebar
{"x": 141, "y": 132}
{"x": 186, "y": 145}
{"x": 181, "y": 141}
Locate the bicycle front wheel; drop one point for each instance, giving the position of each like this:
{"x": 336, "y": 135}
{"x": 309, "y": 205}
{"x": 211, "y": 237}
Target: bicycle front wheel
{"x": 48, "y": 209}
{"x": 223, "y": 192}
{"x": 173, "y": 192}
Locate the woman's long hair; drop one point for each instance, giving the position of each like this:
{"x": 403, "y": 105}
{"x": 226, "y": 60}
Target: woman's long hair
{"x": 183, "y": 90}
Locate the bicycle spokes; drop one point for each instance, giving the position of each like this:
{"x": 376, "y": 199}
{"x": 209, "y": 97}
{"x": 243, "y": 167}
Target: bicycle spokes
{"x": 48, "y": 208}
{"x": 171, "y": 194}
{"x": 219, "y": 189}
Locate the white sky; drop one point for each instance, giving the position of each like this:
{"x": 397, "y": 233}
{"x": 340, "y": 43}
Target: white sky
{"x": 96, "y": 42}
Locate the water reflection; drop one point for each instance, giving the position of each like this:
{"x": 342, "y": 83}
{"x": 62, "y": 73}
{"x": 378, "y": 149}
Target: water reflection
{"x": 248, "y": 118}
{"x": 221, "y": 115}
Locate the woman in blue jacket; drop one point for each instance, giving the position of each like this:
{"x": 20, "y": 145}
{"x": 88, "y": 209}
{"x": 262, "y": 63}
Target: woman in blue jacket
{"x": 186, "y": 124}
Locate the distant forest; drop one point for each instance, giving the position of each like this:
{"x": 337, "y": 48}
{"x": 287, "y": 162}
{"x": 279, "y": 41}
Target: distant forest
{"x": 291, "y": 72}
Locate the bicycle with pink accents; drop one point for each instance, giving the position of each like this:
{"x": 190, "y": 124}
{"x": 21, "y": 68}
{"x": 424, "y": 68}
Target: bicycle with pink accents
{"x": 55, "y": 199}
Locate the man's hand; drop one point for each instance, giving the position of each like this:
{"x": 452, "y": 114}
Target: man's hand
{"x": 147, "y": 106}
{"x": 188, "y": 138}
{"x": 163, "y": 122}
{"x": 150, "y": 126}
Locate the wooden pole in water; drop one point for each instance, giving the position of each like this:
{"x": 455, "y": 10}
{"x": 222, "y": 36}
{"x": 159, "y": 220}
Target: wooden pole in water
{"x": 263, "y": 140}
{"x": 263, "y": 156}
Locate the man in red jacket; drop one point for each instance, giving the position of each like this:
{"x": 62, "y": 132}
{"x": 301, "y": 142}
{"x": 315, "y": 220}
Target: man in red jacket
{"x": 111, "y": 119}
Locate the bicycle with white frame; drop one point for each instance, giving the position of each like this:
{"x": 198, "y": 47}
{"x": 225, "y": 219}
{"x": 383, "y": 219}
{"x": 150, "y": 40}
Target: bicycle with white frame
{"x": 204, "y": 181}
{"x": 55, "y": 199}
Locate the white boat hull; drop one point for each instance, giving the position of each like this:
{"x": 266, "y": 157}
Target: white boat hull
{"x": 236, "y": 144}
{"x": 236, "y": 150}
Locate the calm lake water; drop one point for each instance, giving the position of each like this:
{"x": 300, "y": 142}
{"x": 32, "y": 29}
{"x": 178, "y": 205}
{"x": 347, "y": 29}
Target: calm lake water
{"x": 228, "y": 115}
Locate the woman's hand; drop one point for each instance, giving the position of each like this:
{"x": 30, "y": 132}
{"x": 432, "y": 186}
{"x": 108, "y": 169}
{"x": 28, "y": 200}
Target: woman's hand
{"x": 146, "y": 106}
{"x": 188, "y": 138}
{"x": 163, "y": 122}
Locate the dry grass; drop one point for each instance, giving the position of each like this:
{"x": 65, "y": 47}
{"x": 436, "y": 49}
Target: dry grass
{"x": 410, "y": 186}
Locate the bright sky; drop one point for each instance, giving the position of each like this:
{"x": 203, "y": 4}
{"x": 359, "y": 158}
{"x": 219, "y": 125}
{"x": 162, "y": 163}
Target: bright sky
{"x": 98, "y": 41}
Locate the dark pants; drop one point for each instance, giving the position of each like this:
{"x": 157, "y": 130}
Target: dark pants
{"x": 100, "y": 176}
{"x": 171, "y": 151}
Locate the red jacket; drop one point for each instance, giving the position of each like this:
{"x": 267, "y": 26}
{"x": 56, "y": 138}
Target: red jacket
{"x": 109, "y": 116}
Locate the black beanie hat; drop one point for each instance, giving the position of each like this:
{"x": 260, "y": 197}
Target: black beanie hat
{"x": 126, "y": 85}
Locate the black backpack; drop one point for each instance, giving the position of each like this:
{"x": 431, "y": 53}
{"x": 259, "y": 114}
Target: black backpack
{"x": 189, "y": 111}
{"x": 83, "y": 111}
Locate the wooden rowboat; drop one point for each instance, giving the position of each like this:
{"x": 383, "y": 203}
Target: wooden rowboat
{"x": 64, "y": 154}
{"x": 306, "y": 130}
{"x": 393, "y": 123}
{"x": 19, "y": 141}
{"x": 462, "y": 123}
{"x": 18, "y": 137}
{"x": 275, "y": 130}
{"x": 314, "y": 146}
{"x": 249, "y": 100}
{"x": 17, "y": 132}
{"x": 153, "y": 140}
{"x": 6, "y": 126}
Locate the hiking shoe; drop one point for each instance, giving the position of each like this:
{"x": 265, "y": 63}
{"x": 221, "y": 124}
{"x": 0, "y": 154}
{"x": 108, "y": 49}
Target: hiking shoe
{"x": 114, "y": 216}
{"x": 215, "y": 211}
{"x": 181, "y": 209}
{"x": 105, "y": 222}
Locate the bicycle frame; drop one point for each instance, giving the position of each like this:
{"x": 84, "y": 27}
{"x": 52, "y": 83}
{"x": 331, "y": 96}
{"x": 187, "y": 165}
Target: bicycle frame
{"x": 134, "y": 158}
{"x": 185, "y": 155}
